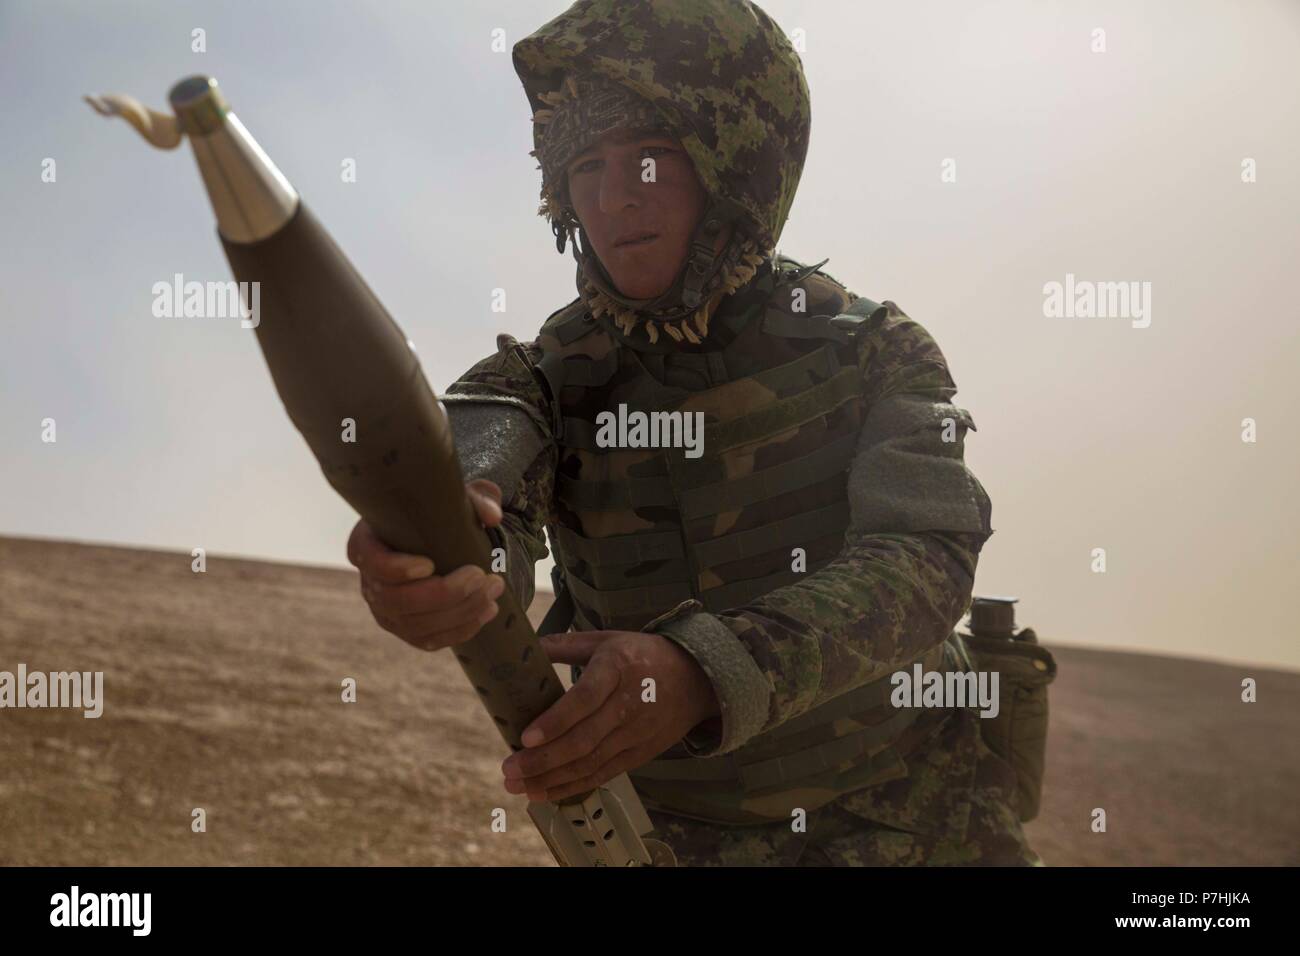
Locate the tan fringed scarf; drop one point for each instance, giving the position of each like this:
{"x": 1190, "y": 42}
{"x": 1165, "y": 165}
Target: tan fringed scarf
{"x": 628, "y": 320}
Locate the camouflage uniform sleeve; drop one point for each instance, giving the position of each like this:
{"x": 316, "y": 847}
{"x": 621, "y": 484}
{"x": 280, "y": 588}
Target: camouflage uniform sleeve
{"x": 501, "y": 423}
{"x": 902, "y": 580}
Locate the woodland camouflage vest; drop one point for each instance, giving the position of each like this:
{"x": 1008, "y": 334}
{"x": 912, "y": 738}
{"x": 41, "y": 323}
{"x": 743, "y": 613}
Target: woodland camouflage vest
{"x": 638, "y": 531}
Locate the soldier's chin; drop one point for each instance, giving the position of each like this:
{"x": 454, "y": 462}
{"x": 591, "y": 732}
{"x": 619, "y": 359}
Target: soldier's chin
{"x": 637, "y": 288}
{"x": 640, "y": 280}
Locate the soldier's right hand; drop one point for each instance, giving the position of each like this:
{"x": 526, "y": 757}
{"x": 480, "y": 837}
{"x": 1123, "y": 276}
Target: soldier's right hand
{"x": 428, "y": 610}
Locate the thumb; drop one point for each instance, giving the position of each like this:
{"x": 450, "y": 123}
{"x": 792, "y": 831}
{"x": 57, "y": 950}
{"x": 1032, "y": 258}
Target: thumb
{"x": 576, "y": 647}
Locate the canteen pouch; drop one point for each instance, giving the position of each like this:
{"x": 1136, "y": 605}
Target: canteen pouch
{"x": 1018, "y": 734}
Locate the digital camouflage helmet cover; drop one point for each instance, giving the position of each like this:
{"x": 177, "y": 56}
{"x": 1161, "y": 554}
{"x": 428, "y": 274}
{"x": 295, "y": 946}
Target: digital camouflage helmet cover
{"x": 721, "y": 77}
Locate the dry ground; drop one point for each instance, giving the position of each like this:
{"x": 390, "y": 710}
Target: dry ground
{"x": 223, "y": 692}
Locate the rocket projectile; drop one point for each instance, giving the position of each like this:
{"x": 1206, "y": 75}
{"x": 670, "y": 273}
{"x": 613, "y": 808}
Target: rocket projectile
{"x": 337, "y": 357}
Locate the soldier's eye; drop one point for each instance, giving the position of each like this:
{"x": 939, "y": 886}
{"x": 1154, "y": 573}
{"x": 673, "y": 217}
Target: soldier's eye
{"x": 586, "y": 166}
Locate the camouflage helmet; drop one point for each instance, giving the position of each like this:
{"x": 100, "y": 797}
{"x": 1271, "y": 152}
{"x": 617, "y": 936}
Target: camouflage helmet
{"x": 724, "y": 80}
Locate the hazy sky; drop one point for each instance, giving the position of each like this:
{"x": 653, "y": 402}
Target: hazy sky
{"x": 1116, "y": 166}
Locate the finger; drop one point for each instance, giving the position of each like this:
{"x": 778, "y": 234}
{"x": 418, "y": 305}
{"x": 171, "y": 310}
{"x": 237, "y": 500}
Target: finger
{"x": 575, "y": 647}
{"x": 582, "y": 700}
{"x": 441, "y": 628}
{"x": 629, "y": 759}
{"x": 376, "y": 560}
{"x": 577, "y": 746}
{"x": 622, "y": 736}
{"x": 455, "y": 635}
{"x": 486, "y": 498}
{"x": 487, "y": 487}
{"x": 435, "y": 593}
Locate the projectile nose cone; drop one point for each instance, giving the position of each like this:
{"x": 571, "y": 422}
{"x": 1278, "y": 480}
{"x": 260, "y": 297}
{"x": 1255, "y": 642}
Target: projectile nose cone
{"x": 199, "y": 106}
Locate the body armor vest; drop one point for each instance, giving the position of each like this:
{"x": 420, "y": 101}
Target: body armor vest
{"x": 640, "y": 531}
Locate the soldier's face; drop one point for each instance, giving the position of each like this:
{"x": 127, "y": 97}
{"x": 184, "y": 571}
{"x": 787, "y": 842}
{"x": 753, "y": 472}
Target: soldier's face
{"x": 639, "y": 216}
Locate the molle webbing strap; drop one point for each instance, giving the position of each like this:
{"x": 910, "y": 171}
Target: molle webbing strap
{"x": 788, "y": 770}
{"x": 701, "y": 501}
{"x": 712, "y": 366}
{"x": 650, "y": 599}
{"x": 777, "y": 321}
{"x": 624, "y": 548}
{"x": 624, "y": 570}
{"x": 820, "y": 364}
{"x": 574, "y": 326}
{"x": 786, "y": 413}
{"x": 719, "y": 496}
{"x": 797, "y": 529}
{"x": 739, "y": 314}
{"x": 580, "y": 433}
{"x": 619, "y": 495}
{"x": 646, "y": 601}
{"x": 617, "y": 577}
{"x": 778, "y": 772}
{"x": 841, "y": 327}
{"x": 574, "y": 370}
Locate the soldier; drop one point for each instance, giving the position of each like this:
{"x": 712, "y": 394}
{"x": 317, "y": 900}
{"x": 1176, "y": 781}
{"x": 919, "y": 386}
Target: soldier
{"x": 735, "y": 616}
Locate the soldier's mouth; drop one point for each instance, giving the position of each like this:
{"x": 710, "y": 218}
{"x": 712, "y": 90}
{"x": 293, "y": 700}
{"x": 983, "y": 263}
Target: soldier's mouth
{"x": 640, "y": 239}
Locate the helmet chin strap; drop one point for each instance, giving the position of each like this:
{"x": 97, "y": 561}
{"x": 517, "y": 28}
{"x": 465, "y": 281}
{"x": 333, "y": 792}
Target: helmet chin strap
{"x": 686, "y": 293}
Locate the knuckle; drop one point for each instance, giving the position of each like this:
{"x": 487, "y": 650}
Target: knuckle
{"x": 414, "y": 598}
{"x": 625, "y": 656}
{"x": 392, "y": 602}
{"x": 529, "y": 763}
{"x": 589, "y": 764}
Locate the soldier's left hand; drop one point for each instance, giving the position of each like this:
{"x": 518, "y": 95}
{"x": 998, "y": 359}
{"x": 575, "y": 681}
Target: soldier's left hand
{"x": 604, "y": 725}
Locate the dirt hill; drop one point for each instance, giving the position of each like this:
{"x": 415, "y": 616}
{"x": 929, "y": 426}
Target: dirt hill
{"x": 223, "y": 691}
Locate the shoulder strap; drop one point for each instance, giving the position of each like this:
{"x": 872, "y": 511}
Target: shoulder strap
{"x": 570, "y": 323}
{"x": 777, "y": 321}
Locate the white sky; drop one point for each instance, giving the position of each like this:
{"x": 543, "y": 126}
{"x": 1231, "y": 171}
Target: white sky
{"x": 1118, "y": 166}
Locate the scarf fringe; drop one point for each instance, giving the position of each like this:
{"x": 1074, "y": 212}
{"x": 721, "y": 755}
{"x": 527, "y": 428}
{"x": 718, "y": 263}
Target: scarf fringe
{"x": 695, "y": 327}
